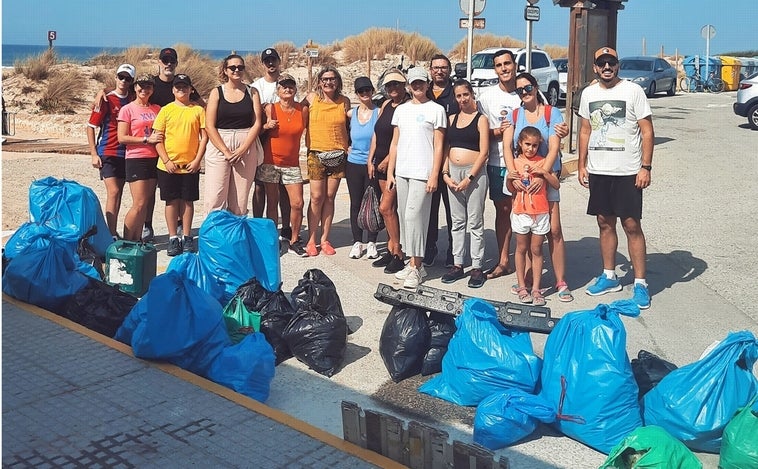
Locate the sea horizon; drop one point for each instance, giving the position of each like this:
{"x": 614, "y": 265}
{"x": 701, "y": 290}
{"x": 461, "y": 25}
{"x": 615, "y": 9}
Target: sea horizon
{"x": 11, "y": 53}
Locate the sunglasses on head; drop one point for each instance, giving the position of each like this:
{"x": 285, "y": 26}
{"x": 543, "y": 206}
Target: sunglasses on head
{"x": 168, "y": 62}
{"x": 604, "y": 62}
{"x": 524, "y": 89}
{"x": 125, "y": 78}
{"x": 236, "y": 68}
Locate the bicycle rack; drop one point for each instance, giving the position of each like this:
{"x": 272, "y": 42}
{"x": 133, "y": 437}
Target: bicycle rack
{"x": 514, "y": 315}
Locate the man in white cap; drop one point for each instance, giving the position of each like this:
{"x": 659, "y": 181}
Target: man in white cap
{"x": 615, "y": 161}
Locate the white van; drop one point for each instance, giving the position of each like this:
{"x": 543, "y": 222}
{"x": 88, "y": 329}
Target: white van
{"x": 483, "y": 70}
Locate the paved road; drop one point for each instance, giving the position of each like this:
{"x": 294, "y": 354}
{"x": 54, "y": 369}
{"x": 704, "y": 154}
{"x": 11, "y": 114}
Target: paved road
{"x": 699, "y": 222}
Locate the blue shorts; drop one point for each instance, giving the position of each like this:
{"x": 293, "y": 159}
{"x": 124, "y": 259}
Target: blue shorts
{"x": 113, "y": 167}
{"x": 496, "y": 178}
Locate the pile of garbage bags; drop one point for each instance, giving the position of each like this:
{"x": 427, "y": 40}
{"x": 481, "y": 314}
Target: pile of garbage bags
{"x": 639, "y": 412}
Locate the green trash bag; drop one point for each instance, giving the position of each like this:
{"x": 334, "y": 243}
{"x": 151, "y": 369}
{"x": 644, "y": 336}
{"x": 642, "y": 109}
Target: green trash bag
{"x": 651, "y": 447}
{"x": 239, "y": 320}
{"x": 739, "y": 443}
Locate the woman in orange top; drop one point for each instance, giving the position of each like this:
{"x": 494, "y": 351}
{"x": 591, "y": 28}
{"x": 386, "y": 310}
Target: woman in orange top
{"x": 327, "y": 131}
{"x": 285, "y": 122}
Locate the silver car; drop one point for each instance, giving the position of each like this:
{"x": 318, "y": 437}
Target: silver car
{"x": 651, "y": 73}
{"x": 562, "y": 66}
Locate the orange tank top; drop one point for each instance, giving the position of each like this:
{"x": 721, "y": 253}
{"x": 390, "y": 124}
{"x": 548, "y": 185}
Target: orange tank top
{"x": 282, "y": 145}
{"x": 327, "y": 126}
{"x": 530, "y": 204}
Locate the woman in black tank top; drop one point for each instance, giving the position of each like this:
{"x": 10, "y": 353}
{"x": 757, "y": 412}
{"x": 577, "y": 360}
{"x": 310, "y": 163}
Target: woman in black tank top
{"x": 233, "y": 122}
{"x": 394, "y": 85}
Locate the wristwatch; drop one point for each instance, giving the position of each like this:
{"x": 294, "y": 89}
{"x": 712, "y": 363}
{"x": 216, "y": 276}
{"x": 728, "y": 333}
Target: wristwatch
{"x": 647, "y": 166}
{"x": 471, "y": 177}
{"x": 144, "y": 140}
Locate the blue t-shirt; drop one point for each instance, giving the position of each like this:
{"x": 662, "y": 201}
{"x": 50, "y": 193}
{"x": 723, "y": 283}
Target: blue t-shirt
{"x": 360, "y": 137}
{"x": 555, "y": 118}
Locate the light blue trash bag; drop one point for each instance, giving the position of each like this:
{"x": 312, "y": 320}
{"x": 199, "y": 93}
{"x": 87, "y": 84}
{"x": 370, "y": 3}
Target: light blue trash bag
{"x": 483, "y": 357}
{"x": 587, "y": 376}
{"x": 695, "y": 402}
{"x": 508, "y": 416}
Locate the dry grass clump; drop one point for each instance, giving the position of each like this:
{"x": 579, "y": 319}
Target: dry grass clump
{"x": 62, "y": 93}
{"x": 201, "y": 68}
{"x": 38, "y": 67}
{"x": 375, "y": 43}
{"x": 136, "y": 55}
{"x": 483, "y": 41}
{"x": 285, "y": 50}
{"x": 101, "y": 76}
{"x": 418, "y": 47}
{"x": 555, "y": 51}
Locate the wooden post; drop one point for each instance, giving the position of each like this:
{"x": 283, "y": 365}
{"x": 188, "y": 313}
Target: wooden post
{"x": 368, "y": 62}
{"x": 310, "y": 66}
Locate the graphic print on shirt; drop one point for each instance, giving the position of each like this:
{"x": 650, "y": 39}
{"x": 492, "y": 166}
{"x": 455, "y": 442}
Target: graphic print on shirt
{"x": 607, "y": 121}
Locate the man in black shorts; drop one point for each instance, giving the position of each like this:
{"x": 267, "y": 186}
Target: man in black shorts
{"x": 615, "y": 157}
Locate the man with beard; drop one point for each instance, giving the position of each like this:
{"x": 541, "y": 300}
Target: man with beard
{"x": 615, "y": 156}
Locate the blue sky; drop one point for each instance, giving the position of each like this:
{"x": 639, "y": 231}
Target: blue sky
{"x": 255, "y": 24}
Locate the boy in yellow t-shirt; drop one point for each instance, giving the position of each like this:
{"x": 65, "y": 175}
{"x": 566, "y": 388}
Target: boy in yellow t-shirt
{"x": 180, "y": 153}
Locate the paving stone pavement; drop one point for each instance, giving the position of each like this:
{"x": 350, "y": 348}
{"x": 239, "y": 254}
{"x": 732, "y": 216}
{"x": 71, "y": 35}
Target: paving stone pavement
{"x": 71, "y": 401}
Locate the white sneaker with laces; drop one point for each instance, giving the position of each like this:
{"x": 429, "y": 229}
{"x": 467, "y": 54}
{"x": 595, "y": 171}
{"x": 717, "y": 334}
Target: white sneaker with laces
{"x": 414, "y": 279}
{"x": 403, "y": 274}
{"x": 357, "y": 251}
{"x": 371, "y": 251}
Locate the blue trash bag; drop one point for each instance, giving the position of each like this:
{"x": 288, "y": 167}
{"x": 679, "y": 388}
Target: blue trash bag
{"x": 176, "y": 322}
{"x": 587, "y": 376}
{"x": 46, "y": 273}
{"x": 508, "y": 416}
{"x": 235, "y": 248}
{"x": 247, "y": 367}
{"x": 68, "y": 206}
{"x": 188, "y": 264}
{"x": 32, "y": 233}
{"x": 695, "y": 402}
{"x": 483, "y": 357}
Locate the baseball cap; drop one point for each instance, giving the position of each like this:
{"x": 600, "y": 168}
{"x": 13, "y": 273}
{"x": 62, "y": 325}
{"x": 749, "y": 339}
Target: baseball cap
{"x": 416, "y": 74}
{"x": 144, "y": 78}
{"x": 393, "y": 75}
{"x": 126, "y": 68}
{"x": 269, "y": 53}
{"x": 182, "y": 78}
{"x": 168, "y": 53}
{"x": 605, "y": 51}
{"x": 363, "y": 82}
{"x": 285, "y": 77}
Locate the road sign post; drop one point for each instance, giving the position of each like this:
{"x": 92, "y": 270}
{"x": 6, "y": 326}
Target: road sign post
{"x": 531, "y": 14}
{"x": 708, "y": 32}
{"x": 51, "y": 36}
{"x": 471, "y": 8}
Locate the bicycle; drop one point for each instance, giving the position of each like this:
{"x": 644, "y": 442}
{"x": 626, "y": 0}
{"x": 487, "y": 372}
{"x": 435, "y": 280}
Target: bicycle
{"x": 695, "y": 83}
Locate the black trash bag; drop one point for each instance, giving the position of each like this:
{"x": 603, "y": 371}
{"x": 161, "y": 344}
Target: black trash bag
{"x": 317, "y": 333}
{"x": 442, "y": 327}
{"x": 404, "y": 342}
{"x": 649, "y": 369}
{"x": 99, "y": 306}
{"x": 276, "y": 312}
{"x": 252, "y": 294}
{"x": 87, "y": 253}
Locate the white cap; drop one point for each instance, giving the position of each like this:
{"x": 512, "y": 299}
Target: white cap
{"x": 128, "y": 68}
{"x": 416, "y": 74}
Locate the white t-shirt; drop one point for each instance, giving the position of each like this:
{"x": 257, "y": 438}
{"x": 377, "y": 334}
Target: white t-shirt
{"x": 416, "y": 124}
{"x": 267, "y": 90}
{"x": 497, "y": 105}
{"x": 615, "y": 144}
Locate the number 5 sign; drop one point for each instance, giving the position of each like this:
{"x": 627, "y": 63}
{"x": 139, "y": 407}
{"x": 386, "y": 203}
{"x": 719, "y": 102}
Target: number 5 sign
{"x": 51, "y": 35}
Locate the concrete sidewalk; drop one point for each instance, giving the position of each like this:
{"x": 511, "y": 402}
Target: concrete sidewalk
{"x": 72, "y": 398}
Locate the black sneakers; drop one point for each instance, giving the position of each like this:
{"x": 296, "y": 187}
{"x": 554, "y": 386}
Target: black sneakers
{"x": 174, "y": 247}
{"x": 476, "y": 278}
{"x": 298, "y": 248}
{"x": 383, "y": 261}
{"x": 395, "y": 265}
{"x": 455, "y": 273}
{"x": 188, "y": 244}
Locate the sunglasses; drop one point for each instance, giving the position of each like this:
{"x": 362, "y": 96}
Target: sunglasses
{"x": 125, "y": 78}
{"x": 328, "y": 79}
{"x": 168, "y": 62}
{"x": 394, "y": 83}
{"x": 288, "y": 84}
{"x": 604, "y": 62}
{"x": 524, "y": 89}
{"x": 440, "y": 69}
{"x": 236, "y": 68}
{"x": 364, "y": 90}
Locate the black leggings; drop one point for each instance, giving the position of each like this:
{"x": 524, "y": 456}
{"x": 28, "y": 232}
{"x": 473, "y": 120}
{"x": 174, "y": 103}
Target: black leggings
{"x": 357, "y": 182}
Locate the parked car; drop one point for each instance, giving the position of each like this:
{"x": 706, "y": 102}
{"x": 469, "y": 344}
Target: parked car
{"x": 747, "y": 100}
{"x": 651, "y": 73}
{"x": 562, "y": 66}
{"x": 483, "y": 72}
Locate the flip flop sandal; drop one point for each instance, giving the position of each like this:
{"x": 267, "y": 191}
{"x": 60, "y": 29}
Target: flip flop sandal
{"x": 564, "y": 294}
{"x": 524, "y": 296}
{"x": 499, "y": 271}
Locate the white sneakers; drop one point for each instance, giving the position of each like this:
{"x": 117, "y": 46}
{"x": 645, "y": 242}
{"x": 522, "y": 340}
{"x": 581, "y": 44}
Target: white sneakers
{"x": 414, "y": 277}
{"x": 371, "y": 251}
{"x": 357, "y": 251}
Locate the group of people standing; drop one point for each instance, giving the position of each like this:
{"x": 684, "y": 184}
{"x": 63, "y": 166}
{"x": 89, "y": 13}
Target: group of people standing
{"x": 430, "y": 141}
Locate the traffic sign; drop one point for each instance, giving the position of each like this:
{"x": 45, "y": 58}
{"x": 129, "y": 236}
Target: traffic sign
{"x": 532, "y": 13}
{"x": 708, "y": 32}
{"x": 478, "y": 23}
{"x": 51, "y": 35}
{"x": 478, "y": 6}
{"x": 311, "y": 52}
